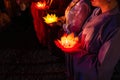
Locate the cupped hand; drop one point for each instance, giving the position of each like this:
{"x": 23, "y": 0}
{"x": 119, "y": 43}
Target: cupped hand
{"x": 61, "y": 19}
{"x": 51, "y": 24}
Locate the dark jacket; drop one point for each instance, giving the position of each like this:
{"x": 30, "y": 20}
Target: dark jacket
{"x": 96, "y": 36}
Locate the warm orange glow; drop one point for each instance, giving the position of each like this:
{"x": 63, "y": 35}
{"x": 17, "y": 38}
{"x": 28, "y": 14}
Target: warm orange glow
{"x": 50, "y": 18}
{"x": 68, "y": 41}
{"x": 41, "y": 5}
{"x": 49, "y": 2}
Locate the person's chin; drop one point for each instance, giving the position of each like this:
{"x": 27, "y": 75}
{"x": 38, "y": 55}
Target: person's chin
{"x": 93, "y": 3}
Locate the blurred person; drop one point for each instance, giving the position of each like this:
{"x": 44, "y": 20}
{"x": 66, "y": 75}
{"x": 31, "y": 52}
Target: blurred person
{"x": 85, "y": 59}
{"x": 74, "y": 16}
{"x": 41, "y": 28}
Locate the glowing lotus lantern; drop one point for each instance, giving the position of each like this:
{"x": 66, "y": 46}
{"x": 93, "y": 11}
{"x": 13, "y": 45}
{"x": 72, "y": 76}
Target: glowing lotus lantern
{"x": 41, "y": 5}
{"x": 68, "y": 41}
{"x": 50, "y": 18}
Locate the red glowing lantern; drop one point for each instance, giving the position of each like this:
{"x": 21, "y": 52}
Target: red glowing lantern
{"x": 68, "y": 41}
{"x": 41, "y": 5}
{"x": 45, "y": 4}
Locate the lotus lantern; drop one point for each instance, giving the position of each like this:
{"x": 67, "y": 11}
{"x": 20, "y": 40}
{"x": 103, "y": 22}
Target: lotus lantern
{"x": 50, "y": 18}
{"x": 41, "y": 5}
{"x": 68, "y": 41}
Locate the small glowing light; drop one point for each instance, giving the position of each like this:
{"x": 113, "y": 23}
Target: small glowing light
{"x": 68, "y": 41}
{"x": 50, "y": 18}
{"x": 41, "y": 5}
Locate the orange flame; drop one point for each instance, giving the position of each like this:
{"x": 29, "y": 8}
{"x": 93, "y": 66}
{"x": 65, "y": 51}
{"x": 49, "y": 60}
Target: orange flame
{"x": 49, "y": 2}
{"x": 68, "y": 41}
{"x": 41, "y": 5}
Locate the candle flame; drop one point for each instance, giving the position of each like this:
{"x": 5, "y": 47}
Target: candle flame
{"x": 50, "y": 18}
{"x": 68, "y": 41}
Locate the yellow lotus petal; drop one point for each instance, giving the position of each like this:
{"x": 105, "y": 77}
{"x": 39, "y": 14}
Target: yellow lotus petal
{"x": 50, "y": 18}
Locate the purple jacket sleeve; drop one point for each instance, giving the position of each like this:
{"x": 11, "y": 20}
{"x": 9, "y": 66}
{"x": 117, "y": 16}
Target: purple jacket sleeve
{"x": 80, "y": 17}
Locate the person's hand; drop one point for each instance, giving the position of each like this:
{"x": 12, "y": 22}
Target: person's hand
{"x": 55, "y": 24}
{"x": 52, "y": 24}
{"x": 61, "y": 19}
{"x": 74, "y": 49}
{"x": 59, "y": 22}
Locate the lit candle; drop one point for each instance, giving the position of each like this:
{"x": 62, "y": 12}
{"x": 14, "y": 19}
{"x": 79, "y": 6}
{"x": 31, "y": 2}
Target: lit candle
{"x": 50, "y": 18}
{"x": 68, "y": 41}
